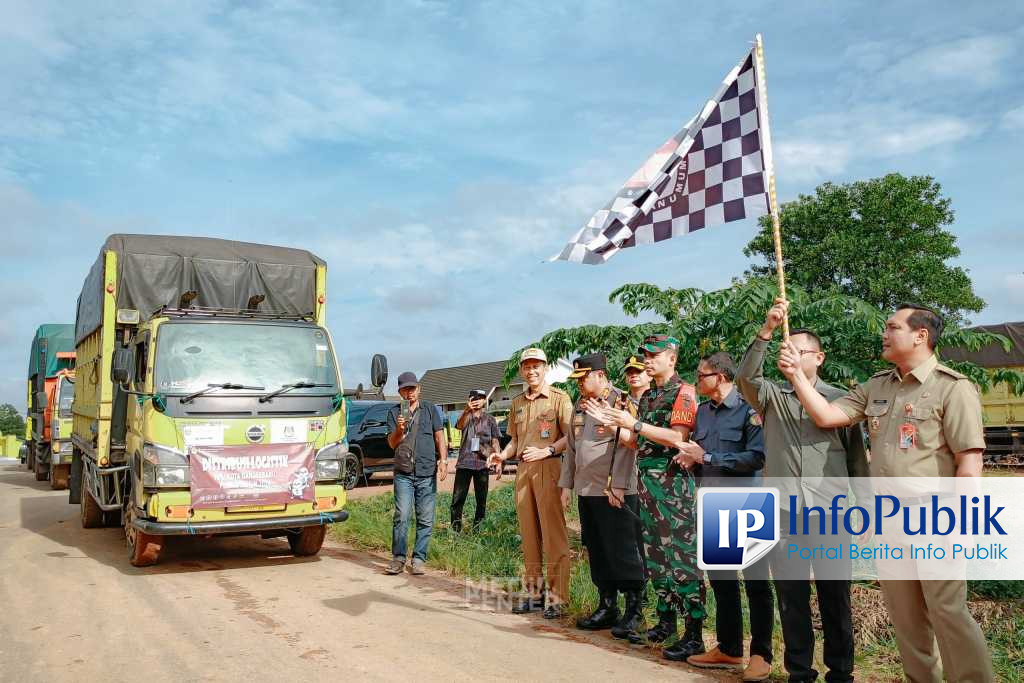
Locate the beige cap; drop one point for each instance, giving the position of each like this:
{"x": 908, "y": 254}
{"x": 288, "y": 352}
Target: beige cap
{"x": 533, "y": 353}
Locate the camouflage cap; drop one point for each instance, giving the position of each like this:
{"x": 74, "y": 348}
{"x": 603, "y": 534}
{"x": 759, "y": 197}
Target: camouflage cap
{"x": 656, "y": 343}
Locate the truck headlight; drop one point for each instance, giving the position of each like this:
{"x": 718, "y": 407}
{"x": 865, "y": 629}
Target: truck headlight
{"x": 329, "y": 460}
{"x": 66, "y": 447}
{"x": 162, "y": 466}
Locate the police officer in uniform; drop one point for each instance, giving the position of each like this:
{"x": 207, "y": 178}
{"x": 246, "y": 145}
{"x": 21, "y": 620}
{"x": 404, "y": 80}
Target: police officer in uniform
{"x": 667, "y": 414}
{"x": 924, "y": 420}
{"x": 538, "y": 422}
{"x": 602, "y": 472}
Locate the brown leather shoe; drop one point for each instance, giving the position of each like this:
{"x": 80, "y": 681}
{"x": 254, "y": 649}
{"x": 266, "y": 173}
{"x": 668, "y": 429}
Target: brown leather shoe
{"x": 757, "y": 669}
{"x": 715, "y": 659}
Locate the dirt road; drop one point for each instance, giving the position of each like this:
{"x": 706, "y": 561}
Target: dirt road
{"x": 72, "y": 608}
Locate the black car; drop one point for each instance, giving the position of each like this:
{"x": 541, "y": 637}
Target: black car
{"x": 368, "y": 441}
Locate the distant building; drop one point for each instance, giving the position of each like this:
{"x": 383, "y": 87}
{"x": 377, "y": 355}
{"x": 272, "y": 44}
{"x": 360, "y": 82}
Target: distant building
{"x": 449, "y": 387}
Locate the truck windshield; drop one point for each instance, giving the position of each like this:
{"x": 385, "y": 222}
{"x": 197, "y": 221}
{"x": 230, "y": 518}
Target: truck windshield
{"x": 66, "y": 398}
{"x": 190, "y": 356}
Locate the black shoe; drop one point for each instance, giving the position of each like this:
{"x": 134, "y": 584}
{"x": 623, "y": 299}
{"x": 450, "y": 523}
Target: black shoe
{"x": 605, "y": 616}
{"x": 632, "y": 618}
{"x": 456, "y": 525}
{"x": 692, "y": 642}
{"x": 528, "y": 604}
{"x": 554, "y": 611}
{"x": 662, "y": 631}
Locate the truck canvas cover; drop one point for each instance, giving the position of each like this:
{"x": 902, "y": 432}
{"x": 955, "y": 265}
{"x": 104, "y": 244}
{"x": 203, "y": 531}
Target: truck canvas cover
{"x": 993, "y": 355}
{"x": 155, "y": 270}
{"x": 56, "y": 339}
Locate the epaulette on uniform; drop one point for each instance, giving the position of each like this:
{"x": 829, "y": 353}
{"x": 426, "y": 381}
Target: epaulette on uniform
{"x": 951, "y": 372}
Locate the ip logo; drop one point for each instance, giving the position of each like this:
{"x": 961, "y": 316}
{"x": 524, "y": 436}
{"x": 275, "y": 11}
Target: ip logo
{"x": 736, "y": 526}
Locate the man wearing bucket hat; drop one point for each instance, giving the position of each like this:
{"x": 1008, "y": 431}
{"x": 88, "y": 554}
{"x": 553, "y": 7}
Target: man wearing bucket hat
{"x": 421, "y": 452}
{"x": 602, "y": 472}
{"x": 667, "y": 414}
{"x": 538, "y": 422}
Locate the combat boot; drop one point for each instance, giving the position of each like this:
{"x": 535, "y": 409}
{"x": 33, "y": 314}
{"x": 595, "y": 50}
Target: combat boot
{"x": 632, "y": 618}
{"x": 662, "y": 631}
{"x": 692, "y": 642}
{"x": 605, "y": 616}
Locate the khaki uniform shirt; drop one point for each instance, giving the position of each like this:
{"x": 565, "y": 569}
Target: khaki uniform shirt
{"x": 592, "y": 452}
{"x": 940, "y": 404}
{"x": 539, "y": 421}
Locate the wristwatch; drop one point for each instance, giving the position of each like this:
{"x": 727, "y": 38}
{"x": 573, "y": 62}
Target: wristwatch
{"x": 637, "y": 427}
{"x": 551, "y": 450}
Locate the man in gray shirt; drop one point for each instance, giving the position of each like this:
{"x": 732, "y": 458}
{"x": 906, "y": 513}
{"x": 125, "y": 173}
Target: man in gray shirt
{"x": 603, "y": 474}
{"x": 812, "y": 465}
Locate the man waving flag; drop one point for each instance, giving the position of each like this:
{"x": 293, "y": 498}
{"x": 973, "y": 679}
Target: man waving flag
{"x": 715, "y": 170}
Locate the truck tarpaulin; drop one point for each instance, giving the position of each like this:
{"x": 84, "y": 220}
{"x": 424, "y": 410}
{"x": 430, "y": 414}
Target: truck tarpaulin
{"x": 51, "y": 340}
{"x": 261, "y": 474}
{"x": 155, "y": 270}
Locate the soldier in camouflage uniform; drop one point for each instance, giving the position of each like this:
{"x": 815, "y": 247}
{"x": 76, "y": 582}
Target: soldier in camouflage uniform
{"x": 667, "y": 413}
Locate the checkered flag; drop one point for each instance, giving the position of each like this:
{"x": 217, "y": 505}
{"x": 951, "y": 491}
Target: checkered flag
{"x": 715, "y": 170}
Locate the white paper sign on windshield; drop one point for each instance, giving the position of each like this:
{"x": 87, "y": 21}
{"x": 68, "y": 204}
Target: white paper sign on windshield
{"x": 203, "y": 435}
{"x": 288, "y": 431}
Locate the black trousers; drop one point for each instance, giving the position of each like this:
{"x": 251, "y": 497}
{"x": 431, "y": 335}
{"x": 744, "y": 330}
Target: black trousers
{"x": 611, "y": 538}
{"x": 832, "y": 584}
{"x": 729, "y": 609}
{"x": 461, "y": 489}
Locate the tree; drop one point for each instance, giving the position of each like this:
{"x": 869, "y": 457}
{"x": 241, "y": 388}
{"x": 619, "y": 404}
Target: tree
{"x": 728, "y": 319}
{"x": 881, "y": 240}
{"x": 10, "y": 421}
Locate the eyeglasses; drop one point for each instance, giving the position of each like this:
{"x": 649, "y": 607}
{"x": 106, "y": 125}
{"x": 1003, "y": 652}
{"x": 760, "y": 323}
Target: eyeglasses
{"x": 803, "y": 351}
{"x": 702, "y": 375}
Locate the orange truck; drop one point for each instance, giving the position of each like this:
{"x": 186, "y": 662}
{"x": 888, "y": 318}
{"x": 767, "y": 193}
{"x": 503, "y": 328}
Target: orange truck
{"x": 51, "y": 391}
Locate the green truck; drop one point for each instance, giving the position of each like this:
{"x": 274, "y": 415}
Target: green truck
{"x": 50, "y": 390}
{"x": 209, "y": 399}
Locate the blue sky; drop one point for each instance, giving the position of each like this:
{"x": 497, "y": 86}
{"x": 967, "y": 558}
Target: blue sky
{"x": 435, "y": 153}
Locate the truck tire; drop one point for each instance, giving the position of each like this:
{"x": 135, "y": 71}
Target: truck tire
{"x": 143, "y": 549}
{"x": 42, "y": 470}
{"x": 59, "y": 477}
{"x": 351, "y": 471}
{"x": 308, "y": 541}
{"x": 30, "y": 460}
{"x": 92, "y": 515}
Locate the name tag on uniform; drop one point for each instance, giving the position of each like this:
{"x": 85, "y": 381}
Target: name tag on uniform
{"x": 474, "y": 444}
{"x": 908, "y": 436}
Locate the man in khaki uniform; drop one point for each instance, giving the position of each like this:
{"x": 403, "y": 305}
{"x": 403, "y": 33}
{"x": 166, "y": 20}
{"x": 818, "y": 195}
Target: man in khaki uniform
{"x": 925, "y": 421}
{"x": 538, "y": 422}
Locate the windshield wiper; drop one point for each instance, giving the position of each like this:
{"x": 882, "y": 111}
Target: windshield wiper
{"x": 223, "y": 385}
{"x": 289, "y": 387}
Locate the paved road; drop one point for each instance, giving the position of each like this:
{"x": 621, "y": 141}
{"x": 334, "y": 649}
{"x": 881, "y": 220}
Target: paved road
{"x": 72, "y": 608}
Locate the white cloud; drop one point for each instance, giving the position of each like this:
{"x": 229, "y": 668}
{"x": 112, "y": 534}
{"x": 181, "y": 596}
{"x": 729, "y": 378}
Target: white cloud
{"x": 976, "y": 61}
{"x": 828, "y": 143}
{"x": 1014, "y": 119}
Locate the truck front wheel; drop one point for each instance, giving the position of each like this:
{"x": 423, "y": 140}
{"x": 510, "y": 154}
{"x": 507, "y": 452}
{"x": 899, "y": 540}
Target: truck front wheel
{"x": 308, "y": 541}
{"x": 92, "y": 515}
{"x": 143, "y": 549}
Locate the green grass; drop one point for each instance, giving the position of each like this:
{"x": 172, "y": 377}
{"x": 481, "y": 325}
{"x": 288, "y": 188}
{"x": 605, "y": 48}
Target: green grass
{"x": 492, "y": 553}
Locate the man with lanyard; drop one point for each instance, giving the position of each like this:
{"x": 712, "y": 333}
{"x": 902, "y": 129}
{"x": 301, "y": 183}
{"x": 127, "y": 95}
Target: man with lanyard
{"x": 603, "y": 475}
{"x": 728, "y": 447}
{"x": 538, "y": 422}
{"x": 667, "y": 493}
{"x": 421, "y": 453}
{"x": 480, "y": 436}
{"x": 924, "y": 420}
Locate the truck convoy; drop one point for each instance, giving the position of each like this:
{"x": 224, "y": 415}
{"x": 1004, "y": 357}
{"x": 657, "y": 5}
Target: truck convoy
{"x": 208, "y": 398}
{"x": 50, "y": 391}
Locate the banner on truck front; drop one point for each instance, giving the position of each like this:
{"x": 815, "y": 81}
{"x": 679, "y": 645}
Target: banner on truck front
{"x": 260, "y": 474}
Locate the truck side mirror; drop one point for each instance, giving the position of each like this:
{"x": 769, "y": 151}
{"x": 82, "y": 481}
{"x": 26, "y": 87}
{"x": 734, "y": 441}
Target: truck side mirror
{"x": 123, "y": 362}
{"x": 379, "y": 370}
{"x": 41, "y": 401}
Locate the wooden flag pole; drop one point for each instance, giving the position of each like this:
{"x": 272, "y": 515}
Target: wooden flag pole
{"x": 766, "y": 145}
